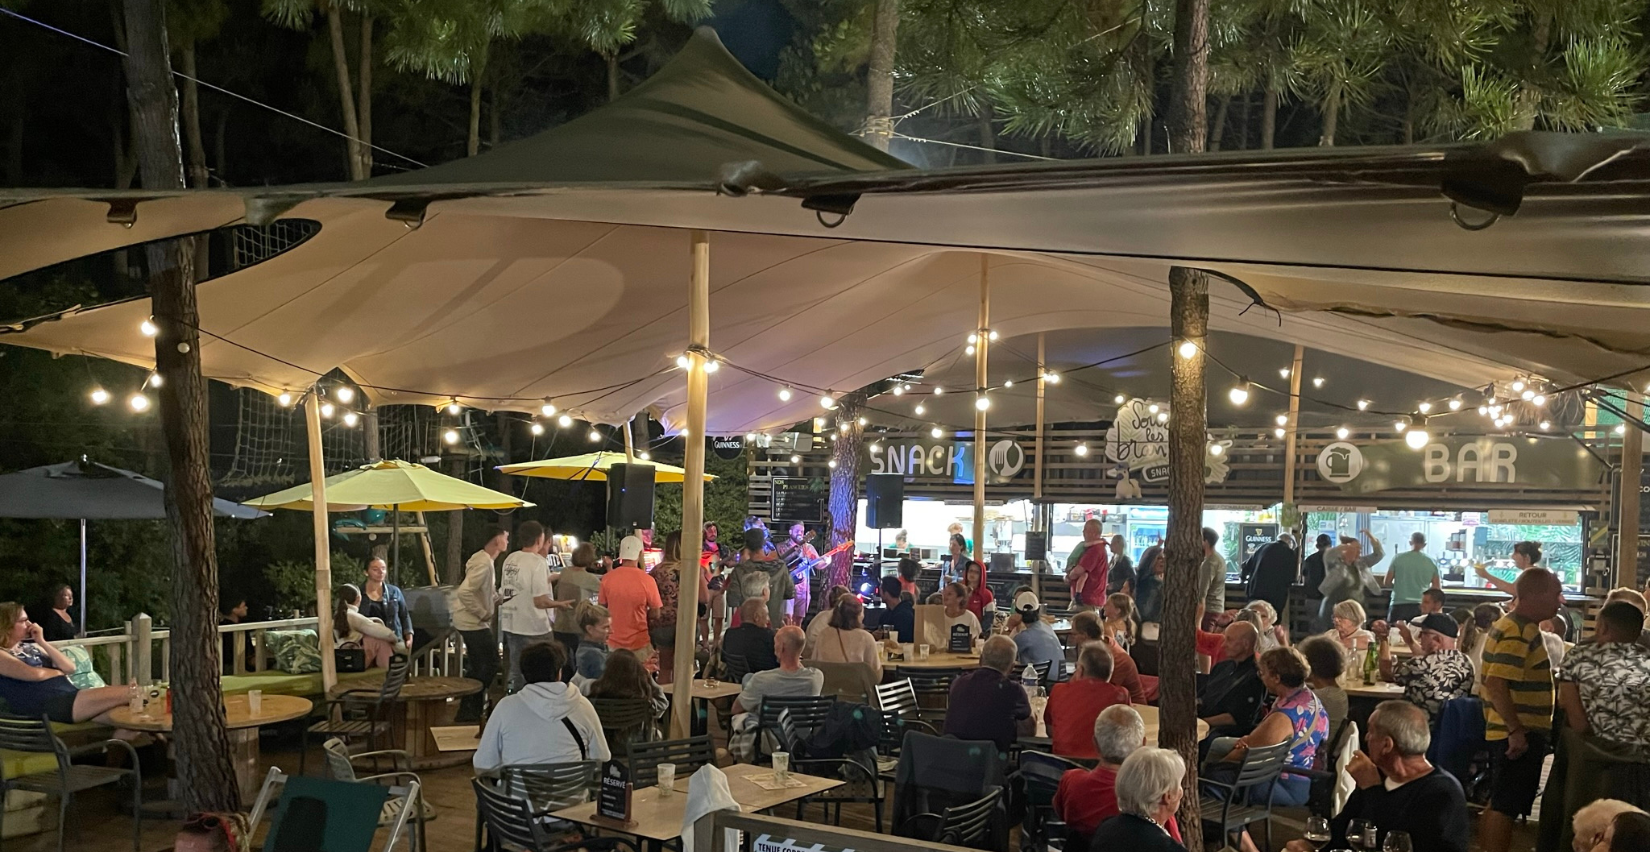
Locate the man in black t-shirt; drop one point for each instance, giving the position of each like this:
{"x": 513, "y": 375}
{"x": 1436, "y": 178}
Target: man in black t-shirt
{"x": 753, "y": 638}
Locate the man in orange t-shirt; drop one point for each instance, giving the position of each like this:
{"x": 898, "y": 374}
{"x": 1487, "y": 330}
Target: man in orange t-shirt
{"x": 630, "y": 595}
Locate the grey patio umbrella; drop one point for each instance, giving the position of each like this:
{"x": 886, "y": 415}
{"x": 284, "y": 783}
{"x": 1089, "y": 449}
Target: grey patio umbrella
{"x": 88, "y": 491}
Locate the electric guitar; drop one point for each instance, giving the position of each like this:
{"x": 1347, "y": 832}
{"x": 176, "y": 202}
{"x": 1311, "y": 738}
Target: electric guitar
{"x": 799, "y": 566}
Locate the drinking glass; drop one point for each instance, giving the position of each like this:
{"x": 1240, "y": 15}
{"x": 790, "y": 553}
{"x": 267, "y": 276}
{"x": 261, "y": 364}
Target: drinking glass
{"x": 667, "y": 779}
{"x": 922, "y": 651}
{"x": 1357, "y": 831}
{"x": 1317, "y": 832}
{"x": 1397, "y": 841}
{"x": 255, "y": 701}
{"x": 908, "y": 651}
{"x": 781, "y": 765}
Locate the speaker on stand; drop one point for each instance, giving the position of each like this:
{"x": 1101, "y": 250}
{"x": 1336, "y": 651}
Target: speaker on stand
{"x": 630, "y": 496}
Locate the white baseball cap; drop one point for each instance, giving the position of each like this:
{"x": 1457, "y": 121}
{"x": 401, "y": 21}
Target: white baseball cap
{"x": 1026, "y": 600}
{"x": 630, "y": 550}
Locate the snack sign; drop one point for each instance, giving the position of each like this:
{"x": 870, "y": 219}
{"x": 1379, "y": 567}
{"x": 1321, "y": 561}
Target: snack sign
{"x": 1138, "y": 442}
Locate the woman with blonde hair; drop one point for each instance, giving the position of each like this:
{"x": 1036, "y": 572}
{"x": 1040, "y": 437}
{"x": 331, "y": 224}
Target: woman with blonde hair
{"x": 1120, "y": 619}
{"x": 34, "y": 676}
{"x": 1347, "y": 631}
{"x": 846, "y": 640}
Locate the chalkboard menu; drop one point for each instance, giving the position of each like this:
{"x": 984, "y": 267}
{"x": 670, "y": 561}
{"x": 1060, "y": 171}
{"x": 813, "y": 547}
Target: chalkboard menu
{"x": 795, "y": 500}
{"x": 962, "y": 639}
{"x": 613, "y": 796}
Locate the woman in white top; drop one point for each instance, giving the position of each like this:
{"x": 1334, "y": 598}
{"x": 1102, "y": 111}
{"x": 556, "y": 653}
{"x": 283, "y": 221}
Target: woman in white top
{"x": 845, "y": 639}
{"x": 1349, "y": 633}
{"x": 349, "y": 627}
{"x": 954, "y": 597}
{"x": 822, "y": 619}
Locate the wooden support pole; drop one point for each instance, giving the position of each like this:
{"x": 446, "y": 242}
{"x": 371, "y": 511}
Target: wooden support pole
{"x": 1632, "y": 467}
{"x": 323, "y": 549}
{"x": 693, "y": 488}
{"x": 1038, "y": 509}
{"x": 1292, "y": 429}
{"x": 980, "y": 350}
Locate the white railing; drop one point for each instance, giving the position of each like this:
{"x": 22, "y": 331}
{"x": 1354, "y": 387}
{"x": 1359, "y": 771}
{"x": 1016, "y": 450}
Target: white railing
{"x": 131, "y": 653}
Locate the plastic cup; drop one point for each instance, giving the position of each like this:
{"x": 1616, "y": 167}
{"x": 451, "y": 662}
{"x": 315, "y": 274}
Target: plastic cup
{"x": 909, "y": 651}
{"x": 667, "y": 779}
{"x": 781, "y": 765}
{"x": 922, "y": 651}
{"x": 255, "y": 701}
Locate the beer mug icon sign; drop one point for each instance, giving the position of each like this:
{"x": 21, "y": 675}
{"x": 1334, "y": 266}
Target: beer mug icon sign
{"x": 1340, "y": 462}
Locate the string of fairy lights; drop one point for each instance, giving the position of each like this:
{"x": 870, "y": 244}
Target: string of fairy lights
{"x": 1504, "y": 405}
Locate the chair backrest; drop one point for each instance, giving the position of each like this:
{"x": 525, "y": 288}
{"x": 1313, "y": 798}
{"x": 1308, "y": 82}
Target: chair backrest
{"x": 550, "y": 786}
{"x": 1041, "y": 773}
{"x": 807, "y": 711}
{"x": 338, "y": 762}
{"x": 688, "y": 754}
{"x": 896, "y": 698}
{"x": 1145, "y": 654}
{"x": 395, "y": 677}
{"x": 735, "y": 667}
{"x": 1262, "y": 765}
{"x": 34, "y": 736}
{"x": 848, "y": 681}
{"x": 509, "y": 819}
{"x": 929, "y": 681}
{"x": 969, "y": 824}
{"x": 625, "y": 719}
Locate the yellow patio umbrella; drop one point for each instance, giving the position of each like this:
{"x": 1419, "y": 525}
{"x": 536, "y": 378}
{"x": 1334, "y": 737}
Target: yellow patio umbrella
{"x": 396, "y": 486}
{"x": 591, "y": 467}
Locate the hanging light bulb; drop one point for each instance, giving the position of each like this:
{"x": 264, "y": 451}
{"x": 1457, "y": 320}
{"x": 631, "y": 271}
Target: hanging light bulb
{"x": 1153, "y": 408}
{"x": 1215, "y": 449}
{"x": 898, "y": 390}
{"x": 547, "y": 409}
{"x": 938, "y": 390}
{"x": 796, "y": 459}
{"x": 148, "y": 327}
{"x": 863, "y": 422}
{"x": 595, "y": 436}
{"x": 1277, "y": 433}
{"x": 1081, "y": 449}
{"x": 1281, "y": 419}
{"x": 536, "y": 428}
{"x": 685, "y": 433}
{"x": 1051, "y": 377}
{"x": 284, "y": 400}
{"x": 154, "y": 380}
{"x": 1424, "y": 407}
{"x": 1483, "y": 410}
{"x": 683, "y": 361}
{"x": 827, "y": 402}
{"x": 1317, "y": 381}
{"x": 1239, "y": 394}
{"x": 968, "y": 350}
{"x": 843, "y": 427}
{"x": 1455, "y": 404}
{"x": 344, "y": 394}
{"x": 1399, "y": 426}
{"x": 750, "y": 437}
{"x": 876, "y": 446}
{"x": 99, "y": 396}
{"x": 1621, "y": 428}
{"x": 1539, "y": 400}
{"x": 453, "y": 408}
{"x": 1417, "y": 438}
{"x": 982, "y": 402}
{"x": 906, "y": 386}
{"x": 991, "y": 335}
{"x": 1527, "y": 395}
{"x": 564, "y": 421}
{"x": 1162, "y": 416}
{"x": 645, "y": 456}
{"x": 1545, "y": 425}
{"x": 784, "y": 394}
{"x": 973, "y": 338}
{"x": 1187, "y": 349}
{"x": 351, "y": 418}
{"x": 937, "y": 432}
{"x": 1517, "y": 385}
{"x": 1495, "y": 411}
{"x": 1008, "y": 383}
{"x": 1120, "y": 399}
{"x": 1363, "y": 405}
{"x": 1283, "y": 373}
{"x": 1342, "y": 432}
{"x": 326, "y": 409}
{"x": 712, "y": 365}
{"x": 920, "y": 409}
{"x": 450, "y": 436}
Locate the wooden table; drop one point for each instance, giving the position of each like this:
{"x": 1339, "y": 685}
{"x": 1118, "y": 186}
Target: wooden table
{"x": 426, "y": 702}
{"x": 660, "y": 818}
{"x": 1148, "y": 715}
{"x": 1380, "y": 691}
{"x": 243, "y": 730}
{"x": 722, "y": 689}
{"x": 936, "y": 660}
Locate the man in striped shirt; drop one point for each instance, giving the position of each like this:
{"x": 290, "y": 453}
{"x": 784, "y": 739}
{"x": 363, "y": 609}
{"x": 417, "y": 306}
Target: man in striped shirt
{"x": 1518, "y": 708}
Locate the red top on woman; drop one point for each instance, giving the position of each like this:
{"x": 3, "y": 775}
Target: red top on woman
{"x": 981, "y": 597}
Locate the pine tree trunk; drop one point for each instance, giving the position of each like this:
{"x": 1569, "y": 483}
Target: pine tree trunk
{"x": 612, "y": 60}
{"x": 346, "y": 91}
{"x": 1218, "y": 129}
{"x": 1529, "y": 95}
{"x": 879, "y": 75}
{"x": 845, "y": 487}
{"x": 206, "y": 774}
{"x": 1268, "y": 118}
{"x": 477, "y": 73}
{"x": 363, "y": 96}
{"x": 494, "y": 121}
{"x": 194, "y": 149}
{"x": 1331, "y": 115}
{"x": 1189, "y": 320}
{"x": 988, "y": 134}
{"x": 1243, "y": 122}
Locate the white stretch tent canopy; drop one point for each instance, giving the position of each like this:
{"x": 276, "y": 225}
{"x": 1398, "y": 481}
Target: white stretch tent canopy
{"x": 557, "y": 267}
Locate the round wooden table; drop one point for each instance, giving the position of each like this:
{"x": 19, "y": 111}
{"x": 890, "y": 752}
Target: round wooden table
{"x": 936, "y": 660}
{"x": 426, "y": 702}
{"x": 1148, "y": 714}
{"x": 1379, "y": 691}
{"x": 243, "y": 730}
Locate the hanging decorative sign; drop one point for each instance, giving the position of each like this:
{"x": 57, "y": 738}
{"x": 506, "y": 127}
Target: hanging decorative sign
{"x": 1138, "y": 441}
{"x": 728, "y": 448}
{"x": 1252, "y": 537}
{"x": 1482, "y": 462}
{"x": 794, "y": 499}
{"x": 1542, "y": 517}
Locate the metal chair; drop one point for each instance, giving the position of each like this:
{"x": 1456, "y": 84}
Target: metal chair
{"x": 1040, "y": 775}
{"x": 1228, "y": 808}
{"x": 807, "y": 711}
{"x": 272, "y": 800}
{"x": 967, "y": 824}
{"x": 512, "y": 822}
{"x": 687, "y": 754}
{"x": 34, "y": 736}
{"x": 625, "y": 721}
{"x": 900, "y": 712}
{"x": 1042, "y": 669}
{"x": 550, "y": 786}
{"x": 360, "y": 713}
{"x": 933, "y": 690}
{"x": 861, "y": 782}
{"x": 341, "y": 766}
{"x": 735, "y": 667}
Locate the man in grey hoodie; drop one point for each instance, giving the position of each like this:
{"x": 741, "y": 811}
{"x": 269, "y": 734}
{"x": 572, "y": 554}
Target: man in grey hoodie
{"x": 548, "y": 721}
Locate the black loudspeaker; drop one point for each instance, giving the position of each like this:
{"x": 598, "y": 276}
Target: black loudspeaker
{"x": 1036, "y": 546}
{"x": 884, "y": 501}
{"x": 630, "y": 496}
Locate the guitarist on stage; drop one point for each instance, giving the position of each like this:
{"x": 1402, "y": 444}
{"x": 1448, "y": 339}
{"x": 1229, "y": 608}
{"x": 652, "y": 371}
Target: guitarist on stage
{"x": 800, "y": 556}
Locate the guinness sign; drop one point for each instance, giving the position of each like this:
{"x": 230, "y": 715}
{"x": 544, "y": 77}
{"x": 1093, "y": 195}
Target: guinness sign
{"x": 729, "y": 448}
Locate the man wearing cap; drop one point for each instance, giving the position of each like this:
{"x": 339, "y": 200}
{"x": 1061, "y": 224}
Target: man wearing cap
{"x": 1437, "y": 674}
{"x": 630, "y": 595}
{"x": 1037, "y": 643}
